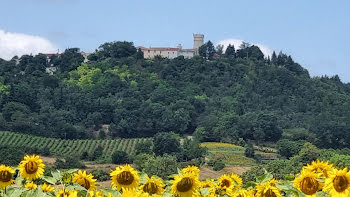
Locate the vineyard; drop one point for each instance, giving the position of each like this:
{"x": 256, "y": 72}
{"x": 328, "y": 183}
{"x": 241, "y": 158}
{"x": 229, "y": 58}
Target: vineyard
{"x": 62, "y": 147}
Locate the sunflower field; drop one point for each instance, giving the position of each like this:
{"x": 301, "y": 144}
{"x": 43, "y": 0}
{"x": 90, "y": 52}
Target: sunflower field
{"x": 27, "y": 180}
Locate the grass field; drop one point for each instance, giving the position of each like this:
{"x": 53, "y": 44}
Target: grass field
{"x": 62, "y": 147}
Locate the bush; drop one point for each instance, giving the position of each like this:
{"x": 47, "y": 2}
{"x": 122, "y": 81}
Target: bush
{"x": 84, "y": 155}
{"x": 251, "y": 174}
{"x": 140, "y": 160}
{"x": 96, "y": 154}
{"x": 218, "y": 165}
{"x": 161, "y": 166}
{"x": 120, "y": 157}
{"x": 249, "y": 151}
{"x": 166, "y": 143}
{"x": 69, "y": 162}
{"x": 144, "y": 147}
{"x": 100, "y": 175}
{"x": 12, "y": 155}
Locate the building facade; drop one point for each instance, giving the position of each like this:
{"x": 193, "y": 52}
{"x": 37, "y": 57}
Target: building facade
{"x": 171, "y": 53}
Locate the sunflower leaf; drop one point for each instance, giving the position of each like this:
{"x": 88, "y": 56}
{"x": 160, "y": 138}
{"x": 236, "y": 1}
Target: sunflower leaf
{"x": 50, "y": 179}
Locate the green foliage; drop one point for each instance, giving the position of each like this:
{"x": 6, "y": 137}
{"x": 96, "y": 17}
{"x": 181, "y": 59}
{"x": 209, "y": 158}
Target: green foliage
{"x": 140, "y": 160}
{"x": 191, "y": 149}
{"x": 218, "y": 165}
{"x": 252, "y": 173}
{"x": 96, "y": 154}
{"x": 166, "y": 143}
{"x": 120, "y": 157}
{"x": 161, "y": 166}
{"x": 84, "y": 148}
{"x": 145, "y": 147}
{"x": 100, "y": 175}
{"x": 207, "y": 50}
{"x": 288, "y": 148}
{"x": 249, "y": 151}
{"x": 12, "y": 155}
{"x": 219, "y": 97}
{"x": 69, "y": 162}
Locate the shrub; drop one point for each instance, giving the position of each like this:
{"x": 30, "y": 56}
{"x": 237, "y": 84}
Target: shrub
{"x": 120, "y": 157}
{"x": 251, "y": 174}
{"x": 249, "y": 151}
{"x": 140, "y": 160}
{"x": 144, "y": 147}
{"x": 166, "y": 143}
{"x": 69, "y": 162}
{"x": 218, "y": 165}
{"x": 161, "y": 166}
{"x": 100, "y": 175}
{"x": 97, "y": 153}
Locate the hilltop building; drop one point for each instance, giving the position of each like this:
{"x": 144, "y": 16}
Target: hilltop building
{"x": 171, "y": 53}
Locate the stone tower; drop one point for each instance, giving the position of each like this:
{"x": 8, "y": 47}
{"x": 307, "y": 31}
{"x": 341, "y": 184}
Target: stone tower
{"x": 198, "y": 40}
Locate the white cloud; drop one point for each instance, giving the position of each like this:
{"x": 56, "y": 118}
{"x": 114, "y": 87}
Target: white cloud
{"x": 12, "y": 44}
{"x": 237, "y": 43}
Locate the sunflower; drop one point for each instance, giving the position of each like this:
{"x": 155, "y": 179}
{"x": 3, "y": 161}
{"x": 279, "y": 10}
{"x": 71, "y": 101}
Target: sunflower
{"x": 307, "y": 183}
{"x": 338, "y": 183}
{"x": 153, "y": 186}
{"x": 267, "y": 190}
{"x": 319, "y": 167}
{"x": 207, "y": 184}
{"x": 67, "y": 178}
{"x": 85, "y": 180}
{"x": 6, "y": 173}
{"x": 185, "y": 185}
{"x": 129, "y": 193}
{"x": 30, "y": 185}
{"x": 242, "y": 193}
{"x": 31, "y": 167}
{"x": 226, "y": 182}
{"x": 191, "y": 169}
{"x": 124, "y": 177}
{"x": 237, "y": 180}
{"x": 47, "y": 188}
{"x": 66, "y": 193}
{"x": 96, "y": 194}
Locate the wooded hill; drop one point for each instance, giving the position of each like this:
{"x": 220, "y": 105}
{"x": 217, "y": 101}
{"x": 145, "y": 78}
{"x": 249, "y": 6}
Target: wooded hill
{"x": 234, "y": 96}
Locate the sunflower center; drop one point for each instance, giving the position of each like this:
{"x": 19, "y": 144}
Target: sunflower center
{"x": 185, "y": 185}
{"x": 125, "y": 178}
{"x": 86, "y": 184}
{"x": 31, "y": 167}
{"x": 225, "y": 183}
{"x": 150, "y": 188}
{"x": 270, "y": 193}
{"x": 309, "y": 186}
{"x": 5, "y": 176}
{"x": 340, "y": 183}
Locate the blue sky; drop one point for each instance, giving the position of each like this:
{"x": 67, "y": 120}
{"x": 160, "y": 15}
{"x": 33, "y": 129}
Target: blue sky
{"x": 316, "y": 33}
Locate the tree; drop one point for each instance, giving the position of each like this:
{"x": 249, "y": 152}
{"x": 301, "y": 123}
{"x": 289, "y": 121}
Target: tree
{"x": 220, "y": 49}
{"x": 230, "y": 51}
{"x": 69, "y": 60}
{"x": 116, "y": 50}
{"x": 144, "y": 147}
{"x": 161, "y": 166}
{"x": 249, "y": 150}
{"x": 166, "y": 143}
{"x": 120, "y": 157}
{"x": 139, "y": 54}
{"x": 207, "y": 50}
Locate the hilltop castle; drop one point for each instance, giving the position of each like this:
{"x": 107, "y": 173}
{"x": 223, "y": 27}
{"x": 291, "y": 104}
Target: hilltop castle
{"x": 171, "y": 53}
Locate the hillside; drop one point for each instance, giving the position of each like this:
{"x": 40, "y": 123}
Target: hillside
{"x": 239, "y": 95}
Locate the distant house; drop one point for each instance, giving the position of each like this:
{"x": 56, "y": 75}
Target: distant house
{"x": 171, "y": 53}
